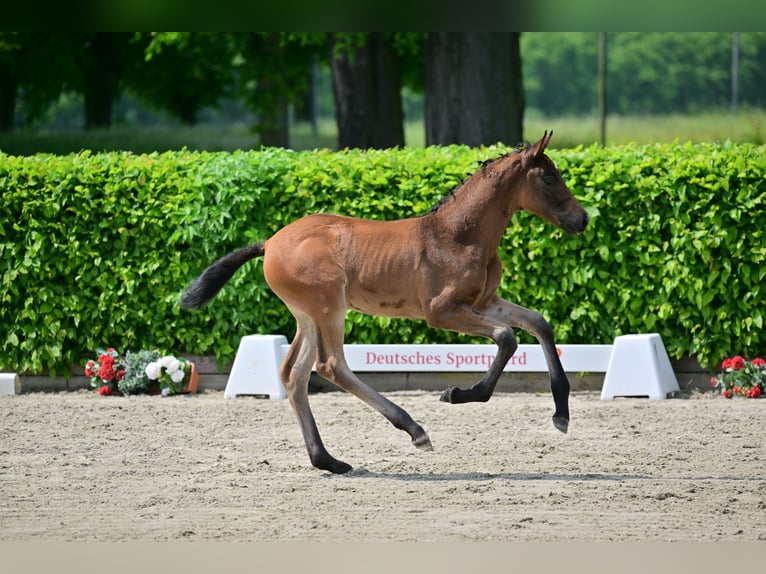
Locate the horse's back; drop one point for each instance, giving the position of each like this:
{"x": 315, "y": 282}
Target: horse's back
{"x": 371, "y": 263}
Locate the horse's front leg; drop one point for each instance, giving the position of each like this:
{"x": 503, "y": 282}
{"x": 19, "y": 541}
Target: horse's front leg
{"x": 496, "y": 322}
{"x": 483, "y": 390}
{"x": 490, "y": 323}
{"x": 535, "y": 324}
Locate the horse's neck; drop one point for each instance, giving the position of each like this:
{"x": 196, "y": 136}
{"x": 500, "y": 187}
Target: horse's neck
{"x": 479, "y": 212}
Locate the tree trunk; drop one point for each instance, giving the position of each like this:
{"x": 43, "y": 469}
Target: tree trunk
{"x": 103, "y": 69}
{"x": 273, "y": 126}
{"x": 367, "y": 88}
{"x": 8, "y": 84}
{"x": 474, "y": 92}
{"x": 306, "y": 109}
{"x": 271, "y": 93}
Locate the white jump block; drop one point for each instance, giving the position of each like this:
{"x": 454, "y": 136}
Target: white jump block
{"x": 638, "y": 367}
{"x": 9, "y": 384}
{"x": 256, "y": 367}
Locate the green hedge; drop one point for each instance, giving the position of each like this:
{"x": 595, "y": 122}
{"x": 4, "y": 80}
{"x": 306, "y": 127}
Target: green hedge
{"x": 96, "y": 248}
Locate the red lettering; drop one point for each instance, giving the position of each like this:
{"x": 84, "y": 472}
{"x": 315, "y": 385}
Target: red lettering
{"x": 416, "y": 358}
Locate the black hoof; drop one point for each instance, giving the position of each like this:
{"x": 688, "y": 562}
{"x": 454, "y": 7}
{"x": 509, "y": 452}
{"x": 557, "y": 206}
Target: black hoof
{"x": 423, "y": 442}
{"x": 333, "y": 465}
{"x": 561, "y": 423}
{"x": 340, "y": 468}
{"x": 457, "y": 396}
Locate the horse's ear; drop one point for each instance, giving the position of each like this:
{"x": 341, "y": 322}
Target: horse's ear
{"x": 539, "y": 147}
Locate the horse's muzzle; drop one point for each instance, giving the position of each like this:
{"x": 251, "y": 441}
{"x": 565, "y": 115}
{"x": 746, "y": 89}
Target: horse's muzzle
{"x": 577, "y": 224}
{"x": 585, "y": 221}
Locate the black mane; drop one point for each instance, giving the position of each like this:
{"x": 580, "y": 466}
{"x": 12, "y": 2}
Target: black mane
{"x": 483, "y": 165}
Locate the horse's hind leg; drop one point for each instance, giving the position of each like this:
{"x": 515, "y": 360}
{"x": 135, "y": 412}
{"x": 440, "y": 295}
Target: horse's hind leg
{"x": 295, "y": 373}
{"x": 331, "y": 364}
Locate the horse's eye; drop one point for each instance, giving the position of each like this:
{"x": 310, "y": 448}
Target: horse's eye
{"x": 549, "y": 178}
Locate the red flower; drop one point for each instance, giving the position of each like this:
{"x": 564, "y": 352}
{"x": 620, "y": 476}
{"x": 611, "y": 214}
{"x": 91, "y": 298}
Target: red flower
{"x": 758, "y": 362}
{"x": 754, "y": 393}
{"x": 713, "y": 381}
{"x": 105, "y": 390}
{"x": 738, "y": 363}
{"x": 119, "y": 374}
{"x": 727, "y": 394}
{"x": 726, "y": 364}
{"x": 106, "y": 370}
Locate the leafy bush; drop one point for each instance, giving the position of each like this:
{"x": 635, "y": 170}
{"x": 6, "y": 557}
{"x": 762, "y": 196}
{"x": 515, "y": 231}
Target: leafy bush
{"x": 98, "y": 247}
{"x": 135, "y": 380}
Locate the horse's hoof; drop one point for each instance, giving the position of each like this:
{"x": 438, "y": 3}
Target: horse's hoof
{"x": 446, "y": 396}
{"x": 340, "y": 468}
{"x": 561, "y": 423}
{"x": 423, "y": 442}
{"x": 333, "y": 465}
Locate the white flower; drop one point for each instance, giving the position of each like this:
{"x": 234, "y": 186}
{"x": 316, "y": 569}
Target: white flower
{"x": 165, "y": 361}
{"x": 153, "y": 370}
{"x": 165, "y": 392}
{"x": 172, "y": 366}
{"x": 177, "y": 376}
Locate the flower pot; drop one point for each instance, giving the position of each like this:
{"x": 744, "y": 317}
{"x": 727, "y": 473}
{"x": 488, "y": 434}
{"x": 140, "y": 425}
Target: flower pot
{"x": 191, "y": 386}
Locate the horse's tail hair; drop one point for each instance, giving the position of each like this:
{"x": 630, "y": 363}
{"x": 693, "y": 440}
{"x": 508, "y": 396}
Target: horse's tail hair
{"x": 207, "y": 285}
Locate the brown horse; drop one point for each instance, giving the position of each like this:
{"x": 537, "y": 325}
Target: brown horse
{"x": 442, "y": 267}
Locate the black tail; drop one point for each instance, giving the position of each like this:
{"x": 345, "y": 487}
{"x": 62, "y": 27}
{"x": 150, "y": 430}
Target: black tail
{"x": 207, "y": 285}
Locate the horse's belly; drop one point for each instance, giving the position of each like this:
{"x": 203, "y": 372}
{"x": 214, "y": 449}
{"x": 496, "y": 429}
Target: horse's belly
{"x": 383, "y": 305}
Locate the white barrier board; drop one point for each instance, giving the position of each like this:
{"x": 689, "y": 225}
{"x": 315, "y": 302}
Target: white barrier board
{"x": 635, "y": 365}
{"x": 471, "y": 358}
{"x": 256, "y": 366}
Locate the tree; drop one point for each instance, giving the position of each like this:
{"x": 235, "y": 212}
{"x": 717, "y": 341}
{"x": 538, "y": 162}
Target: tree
{"x": 35, "y": 68}
{"x": 649, "y": 72}
{"x": 473, "y": 88}
{"x": 267, "y": 70}
{"x": 367, "y": 81}
{"x": 9, "y": 48}
{"x": 561, "y": 72}
{"x": 275, "y": 72}
{"x": 102, "y": 60}
{"x": 182, "y": 72}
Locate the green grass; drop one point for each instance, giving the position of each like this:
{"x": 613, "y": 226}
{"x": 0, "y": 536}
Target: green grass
{"x": 746, "y": 126}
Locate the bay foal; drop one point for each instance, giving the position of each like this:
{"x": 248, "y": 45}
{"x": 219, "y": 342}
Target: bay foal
{"x": 442, "y": 267}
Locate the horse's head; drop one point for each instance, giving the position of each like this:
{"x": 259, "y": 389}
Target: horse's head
{"x": 544, "y": 193}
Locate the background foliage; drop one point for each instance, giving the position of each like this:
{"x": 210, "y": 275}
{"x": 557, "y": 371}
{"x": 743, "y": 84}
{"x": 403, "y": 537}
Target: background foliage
{"x": 210, "y": 77}
{"x": 647, "y": 72}
{"x": 95, "y": 249}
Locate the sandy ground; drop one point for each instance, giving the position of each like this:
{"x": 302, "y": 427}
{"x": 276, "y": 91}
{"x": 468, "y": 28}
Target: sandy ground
{"x": 75, "y": 466}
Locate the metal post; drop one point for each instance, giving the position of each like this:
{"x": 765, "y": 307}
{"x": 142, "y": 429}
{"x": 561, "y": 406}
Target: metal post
{"x": 602, "y": 86}
{"x": 734, "y": 72}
